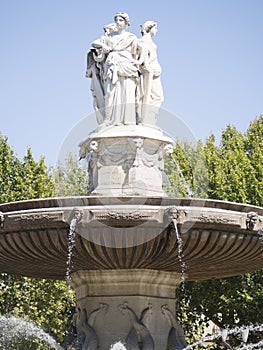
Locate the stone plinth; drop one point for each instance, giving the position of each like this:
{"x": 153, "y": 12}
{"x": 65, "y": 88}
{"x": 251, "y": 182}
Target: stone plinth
{"x": 126, "y": 160}
{"x": 133, "y": 306}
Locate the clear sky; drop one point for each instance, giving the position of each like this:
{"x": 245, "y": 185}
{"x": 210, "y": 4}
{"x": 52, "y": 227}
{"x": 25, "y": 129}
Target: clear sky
{"x": 211, "y": 52}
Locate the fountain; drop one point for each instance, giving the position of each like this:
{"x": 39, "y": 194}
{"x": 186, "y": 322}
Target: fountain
{"x": 124, "y": 246}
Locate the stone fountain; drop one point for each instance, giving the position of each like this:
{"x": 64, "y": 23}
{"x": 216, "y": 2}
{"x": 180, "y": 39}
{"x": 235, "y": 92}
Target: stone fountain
{"x": 126, "y": 246}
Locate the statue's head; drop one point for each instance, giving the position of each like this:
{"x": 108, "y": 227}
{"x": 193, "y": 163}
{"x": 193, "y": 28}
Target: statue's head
{"x": 124, "y": 16}
{"x": 148, "y": 26}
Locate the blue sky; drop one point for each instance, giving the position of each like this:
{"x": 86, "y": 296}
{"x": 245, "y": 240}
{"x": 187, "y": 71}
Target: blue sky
{"x": 211, "y": 53}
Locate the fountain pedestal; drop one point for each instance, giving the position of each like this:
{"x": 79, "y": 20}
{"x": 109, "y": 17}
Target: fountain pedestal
{"x": 135, "y": 306}
{"x": 126, "y": 160}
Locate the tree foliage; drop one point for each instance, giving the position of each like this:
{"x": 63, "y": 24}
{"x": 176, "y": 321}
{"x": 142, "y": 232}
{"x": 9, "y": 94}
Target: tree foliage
{"x": 22, "y": 179}
{"x": 46, "y": 303}
{"x": 70, "y": 178}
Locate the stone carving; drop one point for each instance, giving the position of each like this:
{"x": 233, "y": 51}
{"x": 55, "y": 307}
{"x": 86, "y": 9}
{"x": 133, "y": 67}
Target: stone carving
{"x": 176, "y": 340}
{"x": 150, "y": 69}
{"x": 170, "y": 214}
{"x": 76, "y": 214}
{"x": 134, "y": 216}
{"x": 2, "y": 219}
{"x": 251, "y": 221}
{"x": 168, "y": 149}
{"x": 83, "y": 325}
{"x": 125, "y": 74}
{"x": 214, "y": 219}
{"x": 122, "y": 162}
{"x": 39, "y": 217}
{"x": 145, "y": 158}
{"x": 87, "y": 149}
{"x": 139, "y": 337}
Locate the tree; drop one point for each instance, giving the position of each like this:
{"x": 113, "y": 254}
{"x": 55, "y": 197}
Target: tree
{"x": 70, "y": 178}
{"x": 46, "y": 303}
{"x": 26, "y": 179}
{"x": 254, "y": 149}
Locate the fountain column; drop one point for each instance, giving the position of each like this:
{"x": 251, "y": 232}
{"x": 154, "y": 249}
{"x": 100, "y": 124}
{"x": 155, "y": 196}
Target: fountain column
{"x": 134, "y": 306}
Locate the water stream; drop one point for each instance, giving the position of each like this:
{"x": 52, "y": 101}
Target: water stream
{"x": 243, "y": 331}
{"x": 186, "y": 186}
{"x": 118, "y": 346}
{"x": 18, "y": 331}
{"x": 71, "y": 244}
{"x": 180, "y": 250}
{"x": 258, "y": 346}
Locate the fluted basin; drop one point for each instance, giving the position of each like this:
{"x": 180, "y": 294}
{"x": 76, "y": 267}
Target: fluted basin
{"x": 220, "y": 239}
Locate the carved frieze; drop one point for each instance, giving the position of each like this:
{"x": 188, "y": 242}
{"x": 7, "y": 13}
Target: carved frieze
{"x": 213, "y": 218}
{"x": 54, "y": 216}
{"x": 116, "y": 215}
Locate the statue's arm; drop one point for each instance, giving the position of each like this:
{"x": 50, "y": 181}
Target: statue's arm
{"x": 142, "y": 54}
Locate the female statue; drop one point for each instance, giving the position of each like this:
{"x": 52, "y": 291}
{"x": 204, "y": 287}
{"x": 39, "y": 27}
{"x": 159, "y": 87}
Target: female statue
{"x": 119, "y": 73}
{"x": 95, "y": 63}
{"x": 152, "y": 92}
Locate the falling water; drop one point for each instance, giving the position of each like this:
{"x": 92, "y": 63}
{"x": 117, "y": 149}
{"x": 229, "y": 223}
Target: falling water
{"x": 237, "y": 330}
{"x": 180, "y": 250}
{"x": 186, "y": 186}
{"x": 18, "y": 331}
{"x": 258, "y": 345}
{"x": 118, "y": 346}
{"x": 71, "y": 244}
{"x": 260, "y": 232}
{"x": 168, "y": 187}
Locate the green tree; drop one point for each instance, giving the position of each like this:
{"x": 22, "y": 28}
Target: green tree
{"x": 70, "y": 178}
{"x": 179, "y": 170}
{"x": 254, "y": 149}
{"x": 46, "y": 303}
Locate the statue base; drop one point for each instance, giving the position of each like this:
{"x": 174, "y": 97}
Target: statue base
{"x": 135, "y": 307}
{"x": 126, "y": 160}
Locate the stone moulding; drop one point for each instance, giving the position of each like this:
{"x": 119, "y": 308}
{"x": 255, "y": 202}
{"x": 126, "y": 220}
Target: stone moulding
{"x": 125, "y": 282}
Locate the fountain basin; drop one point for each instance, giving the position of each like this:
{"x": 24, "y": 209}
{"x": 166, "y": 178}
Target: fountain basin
{"x": 220, "y": 239}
